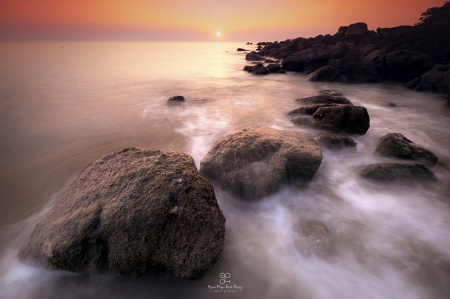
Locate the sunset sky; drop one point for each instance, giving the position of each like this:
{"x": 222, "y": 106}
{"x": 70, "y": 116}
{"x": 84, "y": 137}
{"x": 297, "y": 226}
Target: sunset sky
{"x": 197, "y": 20}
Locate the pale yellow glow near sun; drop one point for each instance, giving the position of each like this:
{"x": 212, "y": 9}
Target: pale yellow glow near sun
{"x": 218, "y": 33}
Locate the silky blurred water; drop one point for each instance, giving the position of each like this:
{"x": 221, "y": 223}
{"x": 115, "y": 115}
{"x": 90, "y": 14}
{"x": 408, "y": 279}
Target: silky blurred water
{"x": 64, "y": 104}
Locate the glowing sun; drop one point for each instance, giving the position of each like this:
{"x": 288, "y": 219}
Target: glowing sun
{"x": 218, "y": 33}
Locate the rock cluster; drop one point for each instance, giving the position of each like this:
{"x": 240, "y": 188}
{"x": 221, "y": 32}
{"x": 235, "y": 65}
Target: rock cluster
{"x": 356, "y": 54}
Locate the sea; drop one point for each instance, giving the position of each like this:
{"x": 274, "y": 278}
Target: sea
{"x": 65, "y": 104}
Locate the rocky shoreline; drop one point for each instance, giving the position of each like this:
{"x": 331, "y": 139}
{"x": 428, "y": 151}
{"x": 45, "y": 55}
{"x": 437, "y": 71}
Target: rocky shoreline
{"x": 417, "y": 56}
{"x": 145, "y": 212}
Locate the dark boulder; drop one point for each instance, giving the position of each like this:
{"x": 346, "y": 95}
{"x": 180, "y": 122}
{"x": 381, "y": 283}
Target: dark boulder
{"x": 357, "y": 28}
{"x": 240, "y": 49}
{"x": 424, "y": 87}
{"x": 257, "y": 161}
{"x": 330, "y": 92}
{"x": 281, "y": 71}
{"x": 413, "y": 83}
{"x": 273, "y": 68}
{"x": 133, "y": 212}
{"x": 394, "y": 30}
{"x": 298, "y": 60}
{"x": 338, "y": 118}
{"x": 310, "y": 109}
{"x": 335, "y": 141}
{"x": 325, "y": 99}
{"x": 314, "y": 238}
{"x": 260, "y": 69}
{"x": 175, "y": 100}
{"x": 303, "y": 121}
{"x": 350, "y": 60}
{"x": 254, "y": 57}
{"x": 406, "y": 65}
{"x": 325, "y": 73}
{"x": 398, "y": 146}
{"x": 437, "y": 79}
{"x": 389, "y": 173}
{"x": 342, "y": 30}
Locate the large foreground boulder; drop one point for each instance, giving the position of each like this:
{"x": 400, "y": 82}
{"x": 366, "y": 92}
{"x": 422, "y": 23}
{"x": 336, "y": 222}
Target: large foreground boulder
{"x": 133, "y": 212}
{"x": 398, "y": 146}
{"x": 257, "y": 161}
{"x": 388, "y": 173}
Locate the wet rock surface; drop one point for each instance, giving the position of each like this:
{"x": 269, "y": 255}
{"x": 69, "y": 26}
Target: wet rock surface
{"x": 302, "y": 121}
{"x": 252, "y": 56}
{"x": 314, "y": 238}
{"x": 325, "y": 99}
{"x": 133, "y": 212}
{"x": 347, "y": 118}
{"x": 175, "y": 100}
{"x": 258, "y": 161}
{"x": 389, "y": 173}
{"x": 335, "y": 141}
{"x": 398, "y": 146}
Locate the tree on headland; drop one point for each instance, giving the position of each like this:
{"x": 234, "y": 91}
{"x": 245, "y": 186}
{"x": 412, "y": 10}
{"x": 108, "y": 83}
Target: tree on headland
{"x": 435, "y": 14}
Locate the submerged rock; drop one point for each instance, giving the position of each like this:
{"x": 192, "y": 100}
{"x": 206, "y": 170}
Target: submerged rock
{"x": 302, "y": 121}
{"x": 398, "y": 173}
{"x": 133, "y": 212}
{"x": 257, "y": 161}
{"x": 334, "y": 117}
{"x": 331, "y": 92}
{"x": 335, "y": 141}
{"x": 314, "y": 238}
{"x": 325, "y": 99}
{"x": 175, "y": 100}
{"x": 398, "y": 146}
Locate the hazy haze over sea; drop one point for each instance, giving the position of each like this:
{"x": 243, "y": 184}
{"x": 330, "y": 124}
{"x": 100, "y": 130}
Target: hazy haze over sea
{"x": 64, "y": 104}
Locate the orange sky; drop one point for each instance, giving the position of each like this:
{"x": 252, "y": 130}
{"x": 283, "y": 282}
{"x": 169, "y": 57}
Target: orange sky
{"x": 197, "y": 20}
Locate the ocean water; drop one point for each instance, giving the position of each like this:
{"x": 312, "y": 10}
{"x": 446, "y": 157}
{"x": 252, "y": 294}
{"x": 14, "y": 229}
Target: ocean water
{"x": 64, "y": 104}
